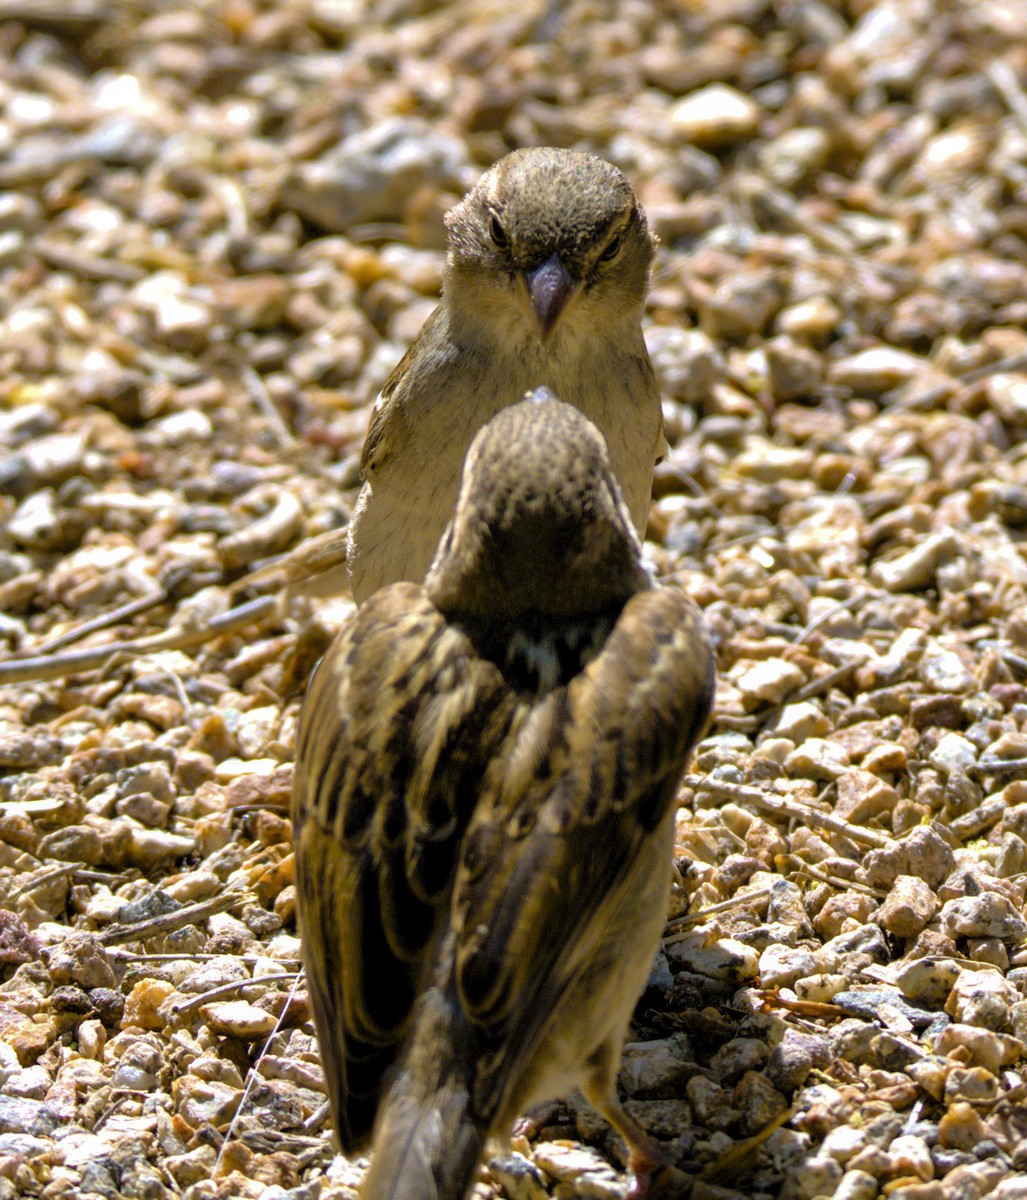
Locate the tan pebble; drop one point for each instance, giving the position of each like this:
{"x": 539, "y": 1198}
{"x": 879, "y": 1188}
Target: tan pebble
{"x": 905, "y": 1189}
{"x": 1011, "y": 744}
{"x": 91, "y": 1038}
{"x": 928, "y": 981}
{"x": 974, "y": 1084}
{"x": 152, "y": 847}
{"x": 846, "y": 910}
{"x": 769, "y": 681}
{"x": 655, "y": 1070}
{"x": 710, "y": 1103}
{"x": 945, "y": 672}
{"x": 80, "y": 959}
{"x": 870, "y": 372}
{"x": 908, "y": 907}
{"x": 303, "y": 1074}
{"x": 772, "y": 464}
{"x": 764, "y": 841}
{"x": 231, "y": 769}
{"x": 862, "y": 796}
{"x": 911, "y": 1156}
{"x": 872, "y": 1160}
{"x": 285, "y": 903}
{"x": 214, "y": 1069}
{"x": 195, "y": 885}
{"x": 916, "y": 568}
{"x": 813, "y": 319}
{"x": 569, "y": 1163}
{"x": 267, "y": 882}
{"x": 856, "y": 1185}
{"x": 269, "y": 784}
{"x": 887, "y": 758}
{"x": 758, "y": 1101}
{"x": 793, "y": 372}
{"x": 817, "y": 758}
{"x": 143, "y": 1001}
{"x": 725, "y": 959}
{"x": 781, "y": 966}
{"x": 714, "y": 116}
{"x": 810, "y": 846}
{"x": 833, "y": 471}
{"x": 29, "y": 1039}
{"x": 774, "y": 749}
{"x": 800, "y": 721}
{"x": 137, "y": 1067}
{"x": 1012, "y": 856}
{"x": 191, "y": 1167}
{"x": 737, "y": 819}
{"x": 1008, "y": 396}
{"x": 984, "y": 1047}
{"x": 202, "y": 1102}
{"x": 213, "y": 832}
{"x": 1015, "y": 793}
{"x": 821, "y": 988}
{"x": 985, "y": 916}
{"x": 989, "y": 950}
{"x": 214, "y": 973}
{"x": 237, "y": 1018}
{"x": 922, "y": 852}
{"x": 982, "y": 998}
{"x": 843, "y": 1143}
{"x": 960, "y": 1127}
{"x": 816, "y": 1175}
{"x": 930, "y": 1075}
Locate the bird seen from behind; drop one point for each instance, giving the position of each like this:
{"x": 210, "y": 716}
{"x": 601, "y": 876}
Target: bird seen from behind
{"x": 486, "y": 773}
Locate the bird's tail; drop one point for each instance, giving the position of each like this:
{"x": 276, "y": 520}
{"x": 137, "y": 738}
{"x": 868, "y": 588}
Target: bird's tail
{"x": 427, "y": 1140}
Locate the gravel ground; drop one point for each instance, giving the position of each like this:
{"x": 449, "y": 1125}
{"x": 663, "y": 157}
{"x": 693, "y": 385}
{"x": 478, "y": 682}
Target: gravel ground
{"x": 220, "y": 226}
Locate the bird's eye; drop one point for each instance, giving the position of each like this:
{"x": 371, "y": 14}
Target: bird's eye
{"x": 611, "y": 249}
{"x": 497, "y": 233}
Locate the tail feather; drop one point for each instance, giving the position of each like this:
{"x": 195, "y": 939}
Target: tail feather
{"x": 424, "y": 1152}
{"x": 428, "y": 1141}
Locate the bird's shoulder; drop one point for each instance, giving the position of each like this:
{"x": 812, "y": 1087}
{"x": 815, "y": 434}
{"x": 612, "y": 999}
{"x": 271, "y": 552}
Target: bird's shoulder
{"x": 424, "y": 375}
{"x": 398, "y": 692}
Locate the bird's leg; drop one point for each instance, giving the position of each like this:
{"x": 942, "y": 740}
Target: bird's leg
{"x": 646, "y": 1161}
{"x": 654, "y": 1177}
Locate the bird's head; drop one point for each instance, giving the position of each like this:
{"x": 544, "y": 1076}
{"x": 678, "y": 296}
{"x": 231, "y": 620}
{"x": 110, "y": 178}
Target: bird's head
{"x": 546, "y": 240}
{"x": 540, "y": 527}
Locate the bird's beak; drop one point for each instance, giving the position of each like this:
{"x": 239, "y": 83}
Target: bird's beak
{"x": 551, "y": 288}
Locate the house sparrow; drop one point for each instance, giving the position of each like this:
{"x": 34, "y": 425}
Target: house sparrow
{"x": 486, "y": 771}
{"x": 544, "y": 284}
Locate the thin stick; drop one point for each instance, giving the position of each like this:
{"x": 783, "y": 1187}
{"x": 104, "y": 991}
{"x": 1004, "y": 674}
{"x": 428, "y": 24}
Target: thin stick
{"x": 675, "y": 924}
{"x": 261, "y": 397}
{"x": 168, "y": 922}
{"x": 87, "y": 266}
{"x": 226, "y": 989}
{"x": 253, "y": 1076}
{"x": 126, "y": 956}
{"x": 111, "y": 617}
{"x": 54, "y": 666}
{"x": 783, "y": 807}
{"x": 75, "y": 869}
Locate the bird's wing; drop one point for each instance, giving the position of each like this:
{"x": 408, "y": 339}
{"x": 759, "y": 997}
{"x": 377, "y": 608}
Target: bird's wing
{"x": 398, "y": 719}
{"x": 389, "y": 419}
{"x": 607, "y": 754}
